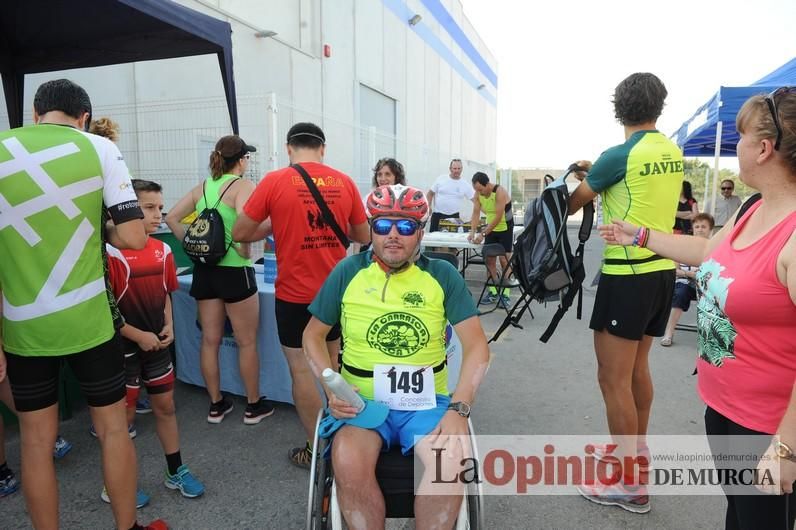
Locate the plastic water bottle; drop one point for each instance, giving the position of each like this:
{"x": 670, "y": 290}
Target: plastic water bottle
{"x": 341, "y": 389}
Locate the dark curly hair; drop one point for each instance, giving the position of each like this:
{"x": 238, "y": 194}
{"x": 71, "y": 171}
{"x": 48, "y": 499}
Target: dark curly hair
{"x": 639, "y": 99}
{"x": 396, "y": 168}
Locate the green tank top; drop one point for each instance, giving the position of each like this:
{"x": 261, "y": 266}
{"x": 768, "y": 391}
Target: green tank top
{"x": 488, "y": 205}
{"x": 213, "y": 188}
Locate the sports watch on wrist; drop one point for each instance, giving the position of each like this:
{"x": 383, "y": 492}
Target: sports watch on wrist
{"x": 784, "y": 451}
{"x": 461, "y": 407}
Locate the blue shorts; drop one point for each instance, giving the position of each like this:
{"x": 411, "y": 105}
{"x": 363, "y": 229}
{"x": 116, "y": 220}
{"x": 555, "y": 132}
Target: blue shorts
{"x": 401, "y": 426}
{"x": 683, "y": 294}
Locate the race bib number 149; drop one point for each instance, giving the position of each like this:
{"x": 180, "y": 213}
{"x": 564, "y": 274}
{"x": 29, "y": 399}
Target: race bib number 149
{"x": 403, "y": 387}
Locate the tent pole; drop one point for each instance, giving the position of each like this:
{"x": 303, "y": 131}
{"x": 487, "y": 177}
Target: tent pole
{"x": 716, "y": 156}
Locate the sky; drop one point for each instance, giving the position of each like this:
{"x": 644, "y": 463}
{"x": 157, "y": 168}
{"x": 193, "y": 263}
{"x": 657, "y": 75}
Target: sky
{"x": 559, "y": 61}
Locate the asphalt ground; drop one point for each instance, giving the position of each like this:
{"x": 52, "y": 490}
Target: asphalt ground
{"x": 531, "y": 388}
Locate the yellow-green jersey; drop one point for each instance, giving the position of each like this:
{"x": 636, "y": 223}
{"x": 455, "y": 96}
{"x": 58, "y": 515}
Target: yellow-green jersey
{"x": 489, "y": 205}
{"x": 393, "y": 318}
{"x": 639, "y": 182}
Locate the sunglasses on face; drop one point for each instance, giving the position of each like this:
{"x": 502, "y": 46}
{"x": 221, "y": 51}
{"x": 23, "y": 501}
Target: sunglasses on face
{"x": 771, "y": 101}
{"x": 726, "y": 189}
{"x": 406, "y": 227}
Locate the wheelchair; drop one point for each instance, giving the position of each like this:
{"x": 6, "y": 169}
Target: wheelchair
{"x": 395, "y": 475}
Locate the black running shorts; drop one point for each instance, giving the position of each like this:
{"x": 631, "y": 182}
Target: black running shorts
{"x": 291, "y": 319}
{"x": 634, "y": 305}
{"x": 230, "y": 284}
{"x": 505, "y": 238}
{"x": 99, "y": 370}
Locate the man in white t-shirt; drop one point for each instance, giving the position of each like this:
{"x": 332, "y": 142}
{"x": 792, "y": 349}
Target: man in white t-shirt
{"x": 446, "y": 194}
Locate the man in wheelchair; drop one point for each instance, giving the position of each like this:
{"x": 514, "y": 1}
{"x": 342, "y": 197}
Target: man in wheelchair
{"x": 393, "y": 304}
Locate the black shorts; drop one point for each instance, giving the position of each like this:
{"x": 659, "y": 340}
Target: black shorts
{"x": 291, "y": 319}
{"x": 634, "y": 305}
{"x": 505, "y": 238}
{"x": 230, "y": 284}
{"x": 99, "y": 370}
{"x": 683, "y": 294}
{"x": 436, "y": 217}
{"x": 152, "y": 368}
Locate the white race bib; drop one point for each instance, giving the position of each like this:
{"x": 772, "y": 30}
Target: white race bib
{"x": 403, "y": 387}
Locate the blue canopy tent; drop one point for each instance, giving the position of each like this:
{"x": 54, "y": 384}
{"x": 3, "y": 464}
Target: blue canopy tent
{"x": 711, "y": 130}
{"x": 47, "y": 35}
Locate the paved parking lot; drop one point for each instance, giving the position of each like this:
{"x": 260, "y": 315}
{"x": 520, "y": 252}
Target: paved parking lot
{"x": 531, "y": 388}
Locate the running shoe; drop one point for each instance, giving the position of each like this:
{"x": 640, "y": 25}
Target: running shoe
{"x": 634, "y": 499}
{"x": 300, "y": 457}
{"x": 141, "y": 498}
{"x": 504, "y": 301}
{"x": 184, "y": 481}
{"x": 488, "y": 299}
{"x": 143, "y": 406}
{"x": 666, "y": 341}
{"x": 257, "y": 412}
{"x": 157, "y": 524}
{"x": 9, "y": 484}
{"x": 62, "y": 447}
{"x": 130, "y": 430}
{"x": 219, "y": 409}
{"x": 643, "y": 455}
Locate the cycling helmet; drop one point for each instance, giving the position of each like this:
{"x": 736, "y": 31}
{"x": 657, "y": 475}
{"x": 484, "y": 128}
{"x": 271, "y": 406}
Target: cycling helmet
{"x": 397, "y": 201}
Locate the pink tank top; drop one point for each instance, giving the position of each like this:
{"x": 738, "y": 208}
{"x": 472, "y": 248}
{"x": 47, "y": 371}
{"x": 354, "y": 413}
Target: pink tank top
{"x": 747, "y": 329}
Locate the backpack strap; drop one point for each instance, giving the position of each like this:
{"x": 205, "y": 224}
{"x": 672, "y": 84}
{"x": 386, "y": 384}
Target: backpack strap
{"x": 325, "y": 211}
{"x": 215, "y": 206}
{"x": 748, "y": 204}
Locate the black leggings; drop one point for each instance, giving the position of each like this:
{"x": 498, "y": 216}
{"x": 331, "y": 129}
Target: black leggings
{"x": 757, "y": 510}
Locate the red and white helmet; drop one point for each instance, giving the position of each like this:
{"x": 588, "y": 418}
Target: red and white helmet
{"x": 397, "y": 201}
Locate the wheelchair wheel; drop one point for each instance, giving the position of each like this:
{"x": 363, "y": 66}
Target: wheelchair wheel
{"x": 320, "y": 491}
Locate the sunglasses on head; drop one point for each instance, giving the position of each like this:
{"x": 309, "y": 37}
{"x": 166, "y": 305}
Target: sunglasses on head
{"x": 771, "y": 101}
{"x": 406, "y": 227}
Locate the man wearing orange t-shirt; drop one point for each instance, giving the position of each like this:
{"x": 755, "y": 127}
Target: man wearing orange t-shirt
{"x": 307, "y": 249}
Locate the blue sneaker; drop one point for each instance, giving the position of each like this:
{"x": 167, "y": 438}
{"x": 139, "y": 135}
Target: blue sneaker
{"x": 141, "y": 498}
{"x": 61, "y": 447}
{"x": 143, "y": 406}
{"x": 130, "y": 430}
{"x": 8, "y": 485}
{"x": 504, "y": 301}
{"x": 184, "y": 481}
{"x": 488, "y": 299}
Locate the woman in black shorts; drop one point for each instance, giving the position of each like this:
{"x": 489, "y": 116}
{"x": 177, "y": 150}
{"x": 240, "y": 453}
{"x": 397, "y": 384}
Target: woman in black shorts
{"x": 229, "y": 287}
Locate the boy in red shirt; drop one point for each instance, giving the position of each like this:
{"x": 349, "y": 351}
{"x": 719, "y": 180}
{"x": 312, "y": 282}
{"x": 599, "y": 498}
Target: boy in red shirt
{"x": 142, "y": 281}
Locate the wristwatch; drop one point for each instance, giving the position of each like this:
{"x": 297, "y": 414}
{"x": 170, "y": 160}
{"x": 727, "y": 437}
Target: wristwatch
{"x": 462, "y": 407}
{"x": 782, "y": 450}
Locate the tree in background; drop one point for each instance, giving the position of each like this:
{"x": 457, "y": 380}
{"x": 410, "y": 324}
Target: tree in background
{"x": 695, "y": 170}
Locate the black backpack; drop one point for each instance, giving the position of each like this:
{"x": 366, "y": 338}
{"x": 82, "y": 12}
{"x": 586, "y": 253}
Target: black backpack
{"x": 543, "y": 262}
{"x": 205, "y": 240}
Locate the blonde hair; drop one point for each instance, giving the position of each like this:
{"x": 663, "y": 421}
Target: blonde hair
{"x": 755, "y": 118}
{"x": 105, "y": 127}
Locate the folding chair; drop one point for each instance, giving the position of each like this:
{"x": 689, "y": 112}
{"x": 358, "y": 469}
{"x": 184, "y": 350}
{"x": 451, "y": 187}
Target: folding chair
{"x": 445, "y": 256}
{"x": 506, "y": 280}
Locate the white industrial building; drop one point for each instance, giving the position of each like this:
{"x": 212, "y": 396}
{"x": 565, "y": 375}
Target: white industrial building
{"x": 404, "y": 78}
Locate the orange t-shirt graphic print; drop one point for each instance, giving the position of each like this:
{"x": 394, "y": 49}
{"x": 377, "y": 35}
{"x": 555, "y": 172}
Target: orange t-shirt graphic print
{"x": 307, "y": 248}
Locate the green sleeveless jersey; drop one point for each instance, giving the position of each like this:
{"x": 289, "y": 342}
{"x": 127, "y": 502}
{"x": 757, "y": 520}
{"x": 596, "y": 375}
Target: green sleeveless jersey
{"x": 53, "y": 182}
{"x": 213, "y": 190}
{"x": 639, "y": 182}
{"x": 488, "y": 206}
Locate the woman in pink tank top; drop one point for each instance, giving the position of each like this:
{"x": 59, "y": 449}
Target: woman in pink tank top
{"x": 747, "y": 308}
